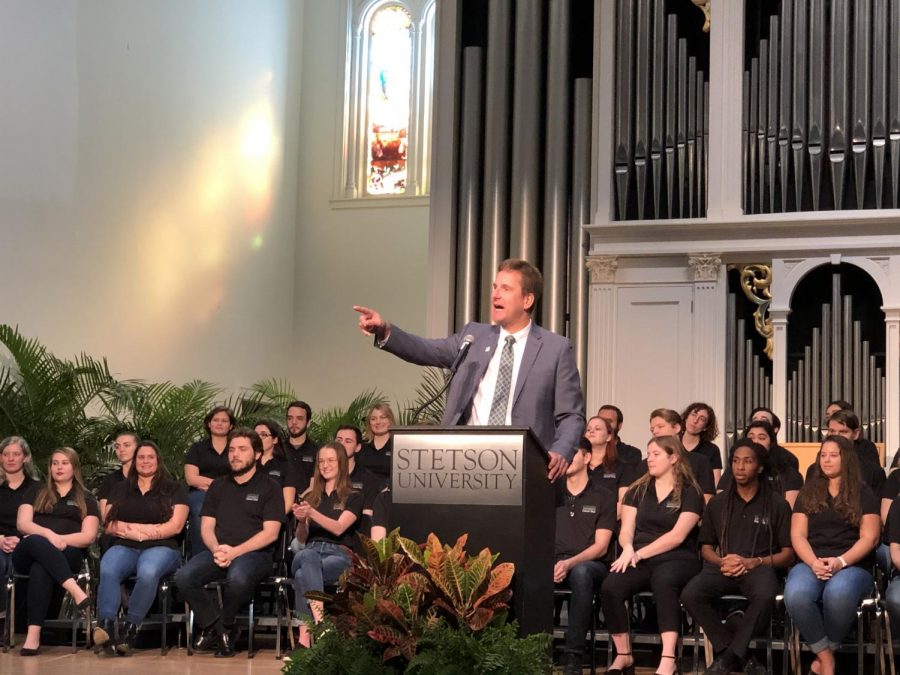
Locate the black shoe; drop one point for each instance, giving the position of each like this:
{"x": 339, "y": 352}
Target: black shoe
{"x": 723, "y": 664}
{"x": 627, "y": 670}
{"x": 126, "y": 643}
{"x": 754, "y": 667}
{"x": 208, "y": 640}
{"x": 227, "y": 642}
{"x": 26, "y": 651}
{"x": 104, "y": 632}
{"x": 571, "y": 663}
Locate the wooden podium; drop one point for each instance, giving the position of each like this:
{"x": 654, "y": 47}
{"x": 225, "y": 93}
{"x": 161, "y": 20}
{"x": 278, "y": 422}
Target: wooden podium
{"x": 488, "y": 482}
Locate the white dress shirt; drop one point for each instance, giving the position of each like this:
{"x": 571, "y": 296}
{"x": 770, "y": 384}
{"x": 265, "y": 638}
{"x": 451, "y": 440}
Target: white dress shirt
{"x": 481, "y": 404}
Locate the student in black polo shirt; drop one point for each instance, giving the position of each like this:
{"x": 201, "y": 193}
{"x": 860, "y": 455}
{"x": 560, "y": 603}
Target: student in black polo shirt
{"x": 241, "y": 518}
{"x": 834, "y": 531}
{"x": 666, "y": 422}
{"x": 845, "y": 423}
{"x": 124, "y": 445}
{"x": 147, "y": 511}
{"x": 206, "y": 460}
{"x": 606, "y": 469}
{"x": 892, "y": 534}
{"x": 274, "y": 463}
{"x": 785, "y": 479}
{"x": 301, "y": 449}
{"x": 778, "y": 454}
{"x": 700, "y": 430}
{"x": 865, "y": 448}
{"x": 59, "y": 523}
{"x": 379, "y": 446}
{"x": 613, "y": 415}
{"x": 659, "y": 550}
{"x": 16, "y": 486}
{"x": 889, "y": 493}
{"x": 330, "y": 512}
{"x": 381, "y": 514}
{"x": 585, "y": 521}
{"x": 745, "y": 537}
{"x": 361, "y": 478}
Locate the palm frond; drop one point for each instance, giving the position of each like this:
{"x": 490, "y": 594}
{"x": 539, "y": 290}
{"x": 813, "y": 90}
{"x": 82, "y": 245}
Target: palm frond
{"x": 325, "y": 423}
{"x": 433, "y": 380}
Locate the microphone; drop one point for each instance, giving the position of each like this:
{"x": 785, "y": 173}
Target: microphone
{"x": 464, "y": 347}
{"x": 463, "y": 350}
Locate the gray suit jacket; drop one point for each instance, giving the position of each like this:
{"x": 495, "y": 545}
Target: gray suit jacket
{"x": 547, "y": 396}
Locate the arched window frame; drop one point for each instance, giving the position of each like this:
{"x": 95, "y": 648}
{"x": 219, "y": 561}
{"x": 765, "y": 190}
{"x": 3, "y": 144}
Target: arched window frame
{"x": 350, "y": 184}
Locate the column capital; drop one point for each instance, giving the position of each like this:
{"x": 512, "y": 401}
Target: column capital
{"x": 602, "y": 268}
{"x": 705, "y": 266}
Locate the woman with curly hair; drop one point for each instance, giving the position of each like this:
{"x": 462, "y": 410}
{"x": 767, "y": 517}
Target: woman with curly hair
{"x": 834, "y": 530}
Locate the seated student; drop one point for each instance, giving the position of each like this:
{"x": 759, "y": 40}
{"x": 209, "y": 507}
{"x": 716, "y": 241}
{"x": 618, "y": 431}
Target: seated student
{"x": 240, "y": 521}
{"x": 665, "y": 422}
{"x": 700, "y": 430}
{"x": 381, "y": 514}
{"x": 892, "y": 532}
{"x": 606, "y": 469}
{"x": 59, "y": 521}
{"x": 330, "y": 513}
{"x": 785, "y": 479}
{"x": 834, "y": 530}
{"x": 361, "y": 479}
{"x": 124, "y": 445}
{"x": 206, "y": 460}
{"x": 275, "y": 464}
{"x": 744, "y": 538}
{"x": 16, "y": 487}
{"x": 379, "y": 446}
{"x": 585, "y": 521}
{"x": 625, "y": 452}
{"x": 889, "y": 493}
{"x": 146, "y": 513}
{"x": 845, "y": 423}
{"x": 659, "y": 550}
{"x": 301, "y": 449}
{"x": 865, "y": 448}
{"x": 778, "y": 455}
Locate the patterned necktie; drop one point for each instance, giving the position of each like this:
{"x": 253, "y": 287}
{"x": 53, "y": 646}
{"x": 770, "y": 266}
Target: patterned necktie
{"x": 504, "y": 380}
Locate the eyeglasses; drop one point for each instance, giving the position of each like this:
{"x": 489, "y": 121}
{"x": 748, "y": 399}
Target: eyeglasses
{"x": 324, "y": 462}
{"x": 264, "y": 435}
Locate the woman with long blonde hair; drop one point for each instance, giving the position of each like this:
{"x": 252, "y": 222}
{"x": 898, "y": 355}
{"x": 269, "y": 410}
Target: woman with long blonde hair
{"x": 658, "y": 539}
{"x": 58, "y": 524}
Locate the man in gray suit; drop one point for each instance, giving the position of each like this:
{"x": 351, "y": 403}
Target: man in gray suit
{"x": 516, "y": 373}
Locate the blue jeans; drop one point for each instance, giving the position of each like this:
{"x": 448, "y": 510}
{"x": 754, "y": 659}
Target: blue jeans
{"x": 121, "y": 562}
{"x": 195, "y": 541}
{"x": 825, "y": 627}
{"x": 584, "y": 580}
{"x": 319, "y": 564}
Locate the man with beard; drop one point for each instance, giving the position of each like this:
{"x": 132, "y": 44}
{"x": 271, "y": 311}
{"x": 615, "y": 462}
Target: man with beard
{"x": 301, "y": 450}
{"x": 240, "y": 521}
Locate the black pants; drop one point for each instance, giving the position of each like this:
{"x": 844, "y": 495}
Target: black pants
{"x": 700, "y": 596}
{"x": 584, "y": 580}
{"x": 665, "y": 578}
{"x": 46, "y": 567}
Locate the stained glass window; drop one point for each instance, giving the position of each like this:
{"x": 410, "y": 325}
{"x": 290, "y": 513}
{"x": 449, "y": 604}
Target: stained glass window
{"x": 388, "y": 105}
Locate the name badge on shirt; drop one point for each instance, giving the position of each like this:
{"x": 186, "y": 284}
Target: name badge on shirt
{"x": 71, "y": 502}
{"x": 357, "y": 485}
{"x": 671, "y": 506}
{"x": 275, "y": 472}
{"x": 609, "y": 475}
{"x": 308, "y": 459}
{"x": 252, "y": 497}
{"x": 760, "y": 520}
{"x": 587, "y": 508}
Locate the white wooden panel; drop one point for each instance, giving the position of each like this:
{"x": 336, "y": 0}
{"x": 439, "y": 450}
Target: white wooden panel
{"x": 654, "y": 354}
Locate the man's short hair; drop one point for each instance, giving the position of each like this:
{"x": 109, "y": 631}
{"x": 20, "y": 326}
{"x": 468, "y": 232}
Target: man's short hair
{"x": 840, "y": 403}
{"x": 609, "y": 406}
{"x": 846, "y": 417}
{"x": 776, "y": 421}
{"x": 247, "y": 432}
{"x": 585, "y": 445}
{"x": 300, "y": 404}
{"x": 532, "y": 279}
{"x": 356, "y": 430}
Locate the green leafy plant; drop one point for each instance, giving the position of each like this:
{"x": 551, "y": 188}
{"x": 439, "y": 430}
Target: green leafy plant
{"x": 335, "y": 654}
{"x": 433, "y": 380}
{"x": 325, "y": 423}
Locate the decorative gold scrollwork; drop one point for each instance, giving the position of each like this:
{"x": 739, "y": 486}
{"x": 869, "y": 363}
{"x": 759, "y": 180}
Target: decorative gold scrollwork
{"x": 756, "y": 281}
{"x": 704, "y": 5}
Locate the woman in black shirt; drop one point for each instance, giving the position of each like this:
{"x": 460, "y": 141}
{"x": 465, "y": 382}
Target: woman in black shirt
{"x": 58, "y": 524}
{"x": 147, "y": 512}
{"x": 206, "y": 460}
{"x": 124, "y": 445}
{"x": 274, "y": 462}
{"x": 700, "y": 430}
{"x": 606, "y": 469}
{"x": 16, "y": 486}
{"x": 659, "y": 550}
{"x": 329, "y": 511}
{"x": 379, "y": 446}
{"x": 834, "y": 530}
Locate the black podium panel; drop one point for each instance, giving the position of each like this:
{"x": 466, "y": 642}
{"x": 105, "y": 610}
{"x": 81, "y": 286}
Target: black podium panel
{"x": 488, "y": 482}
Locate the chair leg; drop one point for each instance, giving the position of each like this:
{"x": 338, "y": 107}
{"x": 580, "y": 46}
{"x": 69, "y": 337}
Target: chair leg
{"x": 860, "y": 644}
{"x": 889, "y": 643}
{"x": 250, "y": 633}
{"x": 164, "y": 643}
{"x": 189, "y": 620}
{"x": 593, "y": 636}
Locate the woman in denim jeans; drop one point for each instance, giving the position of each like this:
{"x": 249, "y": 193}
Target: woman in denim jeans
{"x": 834, "y": 531}
{"x": 147, "y": 512}
{"x": 330, "y": 511}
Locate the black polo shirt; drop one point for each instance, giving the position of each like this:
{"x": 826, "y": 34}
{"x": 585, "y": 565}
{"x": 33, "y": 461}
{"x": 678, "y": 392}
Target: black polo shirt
{"x": 65, "y": 518}
{"x": 153, "y": 507}
{"x": 207, "y": 459}
{"x": 579, "y": 516}
{"x": 870, "y": 474}
{"x": 867, "y": 450}
{"x": 628, "y": 453}
{"x": 787, "y": 480}
{"x": 891, "y": 488}
{"x": 621, "y": 475}
{"x": 750, "y": 525}
{"x": 366, "y": 482}
{"x": 381, "y": 510}
{"x": 782, "y": 457}
{"x": 330, "y": 508}
{"x": 10, "y": 500}
{"x": 699, "y": 466}
{"x": 109, "y": 481}
{"x": 828, "y": 533}
{"x": 711, "y": 452}
{"x": 655, "y": 518}
{"x": 283, "y": 472}
{"x": 303, "y": 456}
{"x": 377, "y": 461}
{"x": 892, "y": 528}
{"x": 240, "y": 509}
